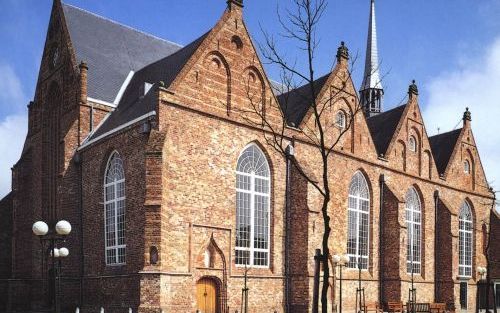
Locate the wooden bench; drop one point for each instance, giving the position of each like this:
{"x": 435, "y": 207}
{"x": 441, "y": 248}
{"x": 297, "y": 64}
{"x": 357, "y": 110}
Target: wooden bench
{"x": 372, "y": 307}
{"x": 438, "y": 307}
{"x": 418, "y": 308}
{"x": 393, "y": 307}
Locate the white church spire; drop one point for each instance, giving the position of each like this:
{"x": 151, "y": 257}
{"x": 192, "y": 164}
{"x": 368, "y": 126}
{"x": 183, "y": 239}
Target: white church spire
{"x": 371, "y": 90}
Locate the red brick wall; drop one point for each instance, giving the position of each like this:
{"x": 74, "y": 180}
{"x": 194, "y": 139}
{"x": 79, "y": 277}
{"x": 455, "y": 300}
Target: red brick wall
{"x": 114, "y": 286}
{"x": 5, "y": 247}
{"x": 299, "y": 242}
{"x": 494, "y": 248}
{"x": 444, "y": 257}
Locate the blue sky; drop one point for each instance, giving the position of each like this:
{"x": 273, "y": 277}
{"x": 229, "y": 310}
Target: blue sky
{"x": 451, "y": 47}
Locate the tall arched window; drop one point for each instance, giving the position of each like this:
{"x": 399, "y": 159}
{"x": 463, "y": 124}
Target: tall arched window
{"x": 465, "y": 241}
{"x": 414, "y": 228}
{"x": 252, "y": 208}
{"x": 114, "y": 211}
{"x": 358, "y": 223}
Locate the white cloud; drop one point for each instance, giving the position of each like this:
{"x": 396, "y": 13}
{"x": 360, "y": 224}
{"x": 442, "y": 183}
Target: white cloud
{"x": 13, "y": 127}
{"x": 11, "y": 92}
{"x": 13, "y": 130}
{"x": 475, "y": 84}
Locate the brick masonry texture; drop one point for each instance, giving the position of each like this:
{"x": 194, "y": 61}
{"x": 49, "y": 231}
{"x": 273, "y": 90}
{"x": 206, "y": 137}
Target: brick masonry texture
{"x": 180, "y": 193}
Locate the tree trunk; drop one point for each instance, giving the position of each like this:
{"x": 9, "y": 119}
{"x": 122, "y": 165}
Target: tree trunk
{"x": 326, "y": 253}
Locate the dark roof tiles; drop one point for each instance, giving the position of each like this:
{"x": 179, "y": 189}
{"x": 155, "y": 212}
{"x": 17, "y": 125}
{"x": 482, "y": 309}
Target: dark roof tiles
{"x": 111, "y": 50}
{"x": 296, "y": 103}
{"x": 442, "y": 146}
{"x": 134, "y": 103}
{"x": 382, "y": 127}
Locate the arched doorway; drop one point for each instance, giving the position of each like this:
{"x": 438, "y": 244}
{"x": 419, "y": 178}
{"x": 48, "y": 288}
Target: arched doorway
{"x": 207, "y": 295}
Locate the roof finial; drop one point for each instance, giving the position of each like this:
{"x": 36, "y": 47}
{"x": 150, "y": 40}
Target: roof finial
{"x": 371, "y": 89}
{"x": 413, "y": 89}
{"x": 342, "y": 52}
{"x": 467, "y": 115}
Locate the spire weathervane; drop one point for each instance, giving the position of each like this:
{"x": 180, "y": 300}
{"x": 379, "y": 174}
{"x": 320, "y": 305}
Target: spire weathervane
{"x": 371, "y": 90}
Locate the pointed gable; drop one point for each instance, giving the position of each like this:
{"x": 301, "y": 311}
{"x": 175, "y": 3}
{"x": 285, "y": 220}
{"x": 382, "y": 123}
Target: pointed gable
{"x": 462, "y": 165}
{"x": 225, "y": 76}
{"x": 383, "y": 126}
{"x": 111, "y": 50}
{"x": 442, "y": 146}
{"x": 409, "y": 149}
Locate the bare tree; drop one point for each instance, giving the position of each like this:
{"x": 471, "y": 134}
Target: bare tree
{"x": 299, "y": 25}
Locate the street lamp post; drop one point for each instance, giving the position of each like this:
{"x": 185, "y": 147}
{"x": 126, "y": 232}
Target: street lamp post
{"x": 340, "y": 261}
{"x": 412, "y": 295}
{"x": 360, "y": 292}
{"x": 58, "y": 234}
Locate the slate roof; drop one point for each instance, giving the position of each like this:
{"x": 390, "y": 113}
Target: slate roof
{"x": 297, "y": 102}
{"x": 134, "y": 103}
{"x": 382, "y": 127}
{"x": 111, "y": 50}
{"x": 442, "y": 146}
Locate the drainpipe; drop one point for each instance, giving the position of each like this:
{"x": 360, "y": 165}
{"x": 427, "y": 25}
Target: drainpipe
{"x": 290, "y": 152}
{"x": 436, "y": 243}
{"x": 381, "y": 241}
{"x": 79, "y": 164}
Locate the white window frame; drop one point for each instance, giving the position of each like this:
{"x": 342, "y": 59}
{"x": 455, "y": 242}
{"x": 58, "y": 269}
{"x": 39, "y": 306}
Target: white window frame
{"x": 465, "y": 218}
{"x": 411, "y": 225}
{"x": 358, "y": 211}
{"x": 115, "y": 200}
{"x": 252, "y": 194}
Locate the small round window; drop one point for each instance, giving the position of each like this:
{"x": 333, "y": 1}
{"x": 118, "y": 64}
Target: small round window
{"x": 340, "y": 119}
{"x": 412, "y": 143}
{"x": 467, "y": 167}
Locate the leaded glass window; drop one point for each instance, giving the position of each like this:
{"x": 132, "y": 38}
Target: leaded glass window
{"x": 340, "y": 119}
{"x": 114, "y": 211}
{"x": 465, "y": 241}
{"x": 466, "y": 167}
{"x": 358, "y": 222}
{"x": 412, "y": 143}
{"x": 252, "y": 208}
{"x": 463, "y": 295}
{"x": 414, "y": 228}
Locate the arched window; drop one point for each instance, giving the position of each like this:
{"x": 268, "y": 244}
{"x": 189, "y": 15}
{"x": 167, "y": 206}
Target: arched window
{"x": 340, "y": 119}
{"x": 114, "y": 211}
{"x": 358, "y": 223}
{"x": 414, "y": 228}
{"x": 466, "y": 167}
{"x": 412, "y": 144}
{"x": 465, "y": 241}
{"x": 252, "y": 208}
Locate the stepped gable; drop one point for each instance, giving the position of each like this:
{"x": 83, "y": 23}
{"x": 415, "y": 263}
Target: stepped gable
{"x": 111, "y": 50}
{"x": 296, "y": 103}
{"x": 442, "y": 146}
{"x": 383, "y": 126}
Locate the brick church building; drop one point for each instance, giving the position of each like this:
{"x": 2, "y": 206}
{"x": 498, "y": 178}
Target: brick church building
{"x": 137, "y": 142}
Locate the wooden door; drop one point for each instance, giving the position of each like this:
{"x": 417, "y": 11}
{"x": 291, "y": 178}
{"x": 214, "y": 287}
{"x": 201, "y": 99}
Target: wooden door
{"x": 206, "y": 295}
